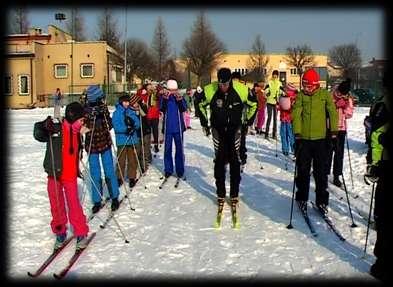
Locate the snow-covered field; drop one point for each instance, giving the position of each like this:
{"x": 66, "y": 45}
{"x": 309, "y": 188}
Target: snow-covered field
{"x": 171, "y": 230}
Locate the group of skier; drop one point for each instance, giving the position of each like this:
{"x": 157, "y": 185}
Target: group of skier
{"x": 313, "y": 127}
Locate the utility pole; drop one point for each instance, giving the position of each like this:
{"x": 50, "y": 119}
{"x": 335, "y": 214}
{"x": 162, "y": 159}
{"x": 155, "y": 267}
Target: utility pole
{"x": 125, "y": 53}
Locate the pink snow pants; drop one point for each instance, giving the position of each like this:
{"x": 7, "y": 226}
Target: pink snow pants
{"x": 187, "y": 119}
{"x": 69, "y": 190}
{"x": 260, "y": 118}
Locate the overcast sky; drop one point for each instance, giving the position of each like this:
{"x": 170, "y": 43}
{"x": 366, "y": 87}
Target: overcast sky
{"x": 279, "y": 27}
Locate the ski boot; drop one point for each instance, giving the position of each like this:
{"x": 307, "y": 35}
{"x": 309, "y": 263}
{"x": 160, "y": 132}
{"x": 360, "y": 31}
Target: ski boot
{"x": 60, "y": 238}
{"x": 115, "y": 204}
{"x": 336, "y": 181}
{"x": 235, "y": 217}
{"x": 220, "y": 203}
{"x": 81, "y": 242}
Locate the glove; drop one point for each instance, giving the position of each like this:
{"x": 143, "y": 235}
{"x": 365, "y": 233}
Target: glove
{"x": 206, "y": 130}
{"x": 372, "y": 173}
{"x": 49, "y": 125}
{"x": 178, "y": 97}
{"x": 382, "y": 139}
{"x": 341, "y": 103}
{"x": 130, "y": 124}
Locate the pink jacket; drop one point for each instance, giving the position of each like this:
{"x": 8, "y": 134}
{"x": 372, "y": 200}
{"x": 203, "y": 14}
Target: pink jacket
{"x": 344, "y": 106}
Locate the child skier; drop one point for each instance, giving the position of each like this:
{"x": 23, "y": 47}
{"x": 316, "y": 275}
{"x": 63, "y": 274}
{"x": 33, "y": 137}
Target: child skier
{"x": 125, "y": 124}
{"x": 285, "y": 103}
{"x": 344, "y": 105}
{"x": 98, "y": 144}
{"x": 61, "y": 163}
{"x": 173, "y": 105}
{"x": 261, "y": 98}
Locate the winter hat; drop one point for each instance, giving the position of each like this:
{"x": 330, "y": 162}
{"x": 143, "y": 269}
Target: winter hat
{"x": 172, "y": 85}
{"x": 224, "y": 75}
{"x": 73, "y": 112}
{"x": 94, "y": 93}
{"x": 124, "y": 98}
{"x": 236, "y": 75}
{"x": 134, "y": 99}
{"x": 290, "y": 89}
{"x": 199, "y": 89}
{"x": 310, "y": 77}
{"x": 344, "y": 87}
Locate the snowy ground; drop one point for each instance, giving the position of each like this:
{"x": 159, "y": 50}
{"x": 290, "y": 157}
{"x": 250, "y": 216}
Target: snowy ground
{"x": 170, "y": 231}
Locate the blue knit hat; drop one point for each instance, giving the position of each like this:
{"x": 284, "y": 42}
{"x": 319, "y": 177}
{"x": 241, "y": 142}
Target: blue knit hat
{"x": 94, "y": 93}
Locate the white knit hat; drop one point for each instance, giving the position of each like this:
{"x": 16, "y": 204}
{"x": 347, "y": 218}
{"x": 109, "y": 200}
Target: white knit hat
{"x": 199, "y": 89}
{"x": 172, "y": 85}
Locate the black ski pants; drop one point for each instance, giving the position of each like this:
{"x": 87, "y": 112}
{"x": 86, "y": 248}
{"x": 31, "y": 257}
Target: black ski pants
{"x": 271, "y": 109}
{"x": 312, "y": 151}
{"x": 243, "y": 148}
{"x": 226, "y": 147}
{"x": 338, "y": 150}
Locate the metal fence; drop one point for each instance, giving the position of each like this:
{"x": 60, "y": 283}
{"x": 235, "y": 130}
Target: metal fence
{"x": 75, "y": 94}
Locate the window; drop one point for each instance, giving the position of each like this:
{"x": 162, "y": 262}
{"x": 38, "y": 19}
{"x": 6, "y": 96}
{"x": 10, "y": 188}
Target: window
{"x": 242, "y": 71}
{"x": 61, "y": 71}
{"x": 8, "y": 85}
{"x": 294, "y": 71}
{"x": 87, "y": 70}
{"x": 23, "y": 84}
{"x": 118, "y": 75}
{"x": 246, "y": 71}
{"x": 322, "y": 71}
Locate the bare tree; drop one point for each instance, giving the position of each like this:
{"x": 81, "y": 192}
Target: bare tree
{"x": 300, "y": 57}
{"x": 348, "y": 57}
{"x": 139, "y": 59}
{"x": 75, "y": 25}
{"x": 202, "y": 50}
{"x": 107, "y": 30}
{"x": 19, "y": 21}
{"x": 258, "y": 60}
{"x": 161, "y": 48}
{"x": 170, "y": 70}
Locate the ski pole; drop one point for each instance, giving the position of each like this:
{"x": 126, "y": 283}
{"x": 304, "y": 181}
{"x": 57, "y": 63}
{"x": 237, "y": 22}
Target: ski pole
{"x": 181, "y": 142}
{"x": 54, "y": 172}
{"x": 143, "y": 146}
{"x": 349, "y": 205}
{"x": 293, "y": 196}
{"x": 369, "y": 220}
{"x": 349, "y": 159}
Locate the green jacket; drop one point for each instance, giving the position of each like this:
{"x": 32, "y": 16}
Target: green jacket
{"x": 273, "y": 91}
{"x": 376, "y": 146}
{"x": 240, "y": 89}
{"x": 309, "y": 115}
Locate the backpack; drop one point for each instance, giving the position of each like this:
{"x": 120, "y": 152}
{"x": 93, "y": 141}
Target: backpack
{"x": 284, "y": 103}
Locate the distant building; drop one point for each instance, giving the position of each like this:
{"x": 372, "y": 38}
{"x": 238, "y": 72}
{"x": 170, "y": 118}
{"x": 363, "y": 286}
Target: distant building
{"x": 371, "y": 75}
{"x": 37, "y": 63}
{"x": 238, "y": 62}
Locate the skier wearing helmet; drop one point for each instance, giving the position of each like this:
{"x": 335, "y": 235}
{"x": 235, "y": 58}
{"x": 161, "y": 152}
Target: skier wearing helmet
{"x": 309, "y": 126}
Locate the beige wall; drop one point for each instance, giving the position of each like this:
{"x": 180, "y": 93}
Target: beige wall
{"x": 83, "y": 53}
{"x": 18, "y": 66}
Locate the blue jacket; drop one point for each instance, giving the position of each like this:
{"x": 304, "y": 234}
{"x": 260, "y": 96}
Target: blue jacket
{"x": 120, "y": 128}
{"x": 171, "y": 109}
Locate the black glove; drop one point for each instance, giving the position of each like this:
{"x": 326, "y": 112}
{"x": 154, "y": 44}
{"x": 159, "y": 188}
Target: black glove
{"x": 206, "y": 130}
{"x": 49, "y": 125}
{"x": 130, "y": 124}
{"x": 372, "y": 173}
{"x": 382, "y": 139}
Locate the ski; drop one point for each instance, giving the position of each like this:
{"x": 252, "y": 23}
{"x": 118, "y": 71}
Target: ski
{"x": 163, "y": 182}
{"x": 218, "y": 221}
{"x": 235, "y": 221}
{"x": 307, "y": 220}
{"x": 92, "y": 215}
{"x": 178, "y": 181}
{"x": 111, "y": 214}
{"x": 354, "y": 196}
{"x": 329, "y": 222}
{"x": 49, "y": 260}
{"x": 73, "y": 259}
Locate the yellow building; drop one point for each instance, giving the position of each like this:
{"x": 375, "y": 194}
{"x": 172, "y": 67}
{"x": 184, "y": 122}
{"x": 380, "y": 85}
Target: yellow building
{"x": 288, "y": 74}
{"x": 37, "y": 63}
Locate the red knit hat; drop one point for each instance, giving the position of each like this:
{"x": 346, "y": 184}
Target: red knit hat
{"x": 310, "y": 77}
